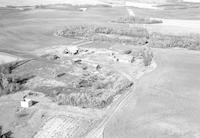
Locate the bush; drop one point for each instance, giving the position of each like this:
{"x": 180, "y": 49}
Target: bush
{"x": 104, "y": 30}
{"x": 147, "y": 55}
{"x": 169, "y": 41}
{"x": 5, "y": 135}
{"x": 98, "y": 95}
{"x": 103, "y": 33}
{"x": 21, "y": 113}
{"x": 85, "y": 100}
{"x": 10, "y": 83}
{"x": 103, "y": 85}
{"x": 137, "y": 20}
{"x": 121, "y": 85}
{"x": 127, "y": 52}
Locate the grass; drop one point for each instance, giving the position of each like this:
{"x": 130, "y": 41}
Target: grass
{"x": 137, "y": 20}
{"x": 54, "y": 91}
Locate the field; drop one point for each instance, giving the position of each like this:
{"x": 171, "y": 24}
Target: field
{"x": 66, "y": 78}
{"x": 165, "y": 102}
{"x": 59, "y": 78}
{"x": 18, "y": 30}
{"x": 79, "y": 64}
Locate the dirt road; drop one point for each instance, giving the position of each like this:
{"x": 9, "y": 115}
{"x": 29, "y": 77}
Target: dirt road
{"x": 167, "y": 100}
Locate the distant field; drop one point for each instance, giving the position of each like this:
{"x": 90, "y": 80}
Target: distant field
{"x": 187, "y": 13}
{"x": 80, "y": 78}
{"x": 77, "y": 2}
{"x": 35, "y": 28}
{"x": 43, "y": 2}
{"x": 180, "y": 6}
{"x": 32, "y": 29}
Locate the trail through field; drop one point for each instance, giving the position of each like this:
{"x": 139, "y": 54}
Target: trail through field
{"x": 165, "y": 102}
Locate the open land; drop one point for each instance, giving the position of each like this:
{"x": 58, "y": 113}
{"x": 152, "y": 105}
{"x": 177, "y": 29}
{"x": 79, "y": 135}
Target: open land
{"x": 87, "y": 69}
{"x": 166, "y": 106}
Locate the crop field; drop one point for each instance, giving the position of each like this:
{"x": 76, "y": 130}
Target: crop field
{"x": 63, "y": 126}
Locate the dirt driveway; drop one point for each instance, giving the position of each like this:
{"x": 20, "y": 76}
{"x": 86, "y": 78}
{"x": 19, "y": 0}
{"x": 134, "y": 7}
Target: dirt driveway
{"x": 167, "y": 100}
